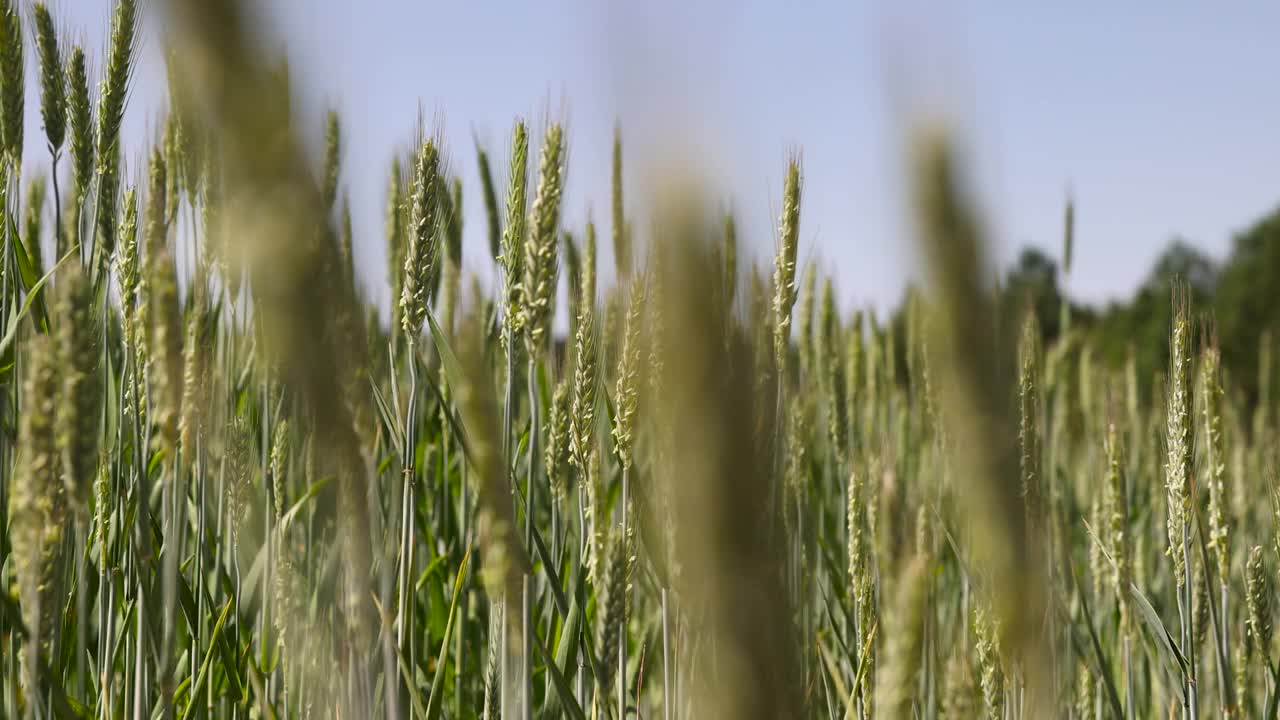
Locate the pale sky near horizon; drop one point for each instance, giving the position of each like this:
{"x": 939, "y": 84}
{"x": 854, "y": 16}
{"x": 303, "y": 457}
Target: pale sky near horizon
{"x": 1160, "y": 119}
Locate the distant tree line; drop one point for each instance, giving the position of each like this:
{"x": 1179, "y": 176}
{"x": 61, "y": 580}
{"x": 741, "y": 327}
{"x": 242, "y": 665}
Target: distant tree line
{"x": 1237, "y": 300}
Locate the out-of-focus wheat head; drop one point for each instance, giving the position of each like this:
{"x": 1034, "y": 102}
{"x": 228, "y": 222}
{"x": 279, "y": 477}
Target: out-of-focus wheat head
{"x": 905, "y": 640}
{"x": 273, "y": 215}
{"x": 719, "y": 481}
{"x": 978, "y": 400}
{"x": 33, "y": 216}
{"x": 80, "y": 399}
{"x": 503, "y": 560}
{"x": 36, "y": 508}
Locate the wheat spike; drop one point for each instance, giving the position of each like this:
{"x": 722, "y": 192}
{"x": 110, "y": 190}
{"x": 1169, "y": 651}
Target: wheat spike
{"x": 514, "y": 233}
{"x": 424, "y": 240}
{"x": 53, "y": 94}
{"x": 12, "y": 82}
{"x": 784, "y": 267}
{"x": 540, "y": 246}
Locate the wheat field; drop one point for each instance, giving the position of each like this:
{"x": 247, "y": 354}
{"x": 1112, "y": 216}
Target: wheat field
{"x": 233, "y": 488}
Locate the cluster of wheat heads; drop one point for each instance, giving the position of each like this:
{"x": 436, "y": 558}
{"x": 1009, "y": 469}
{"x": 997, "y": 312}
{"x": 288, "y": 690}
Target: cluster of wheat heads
{"x": 231, "y": 490}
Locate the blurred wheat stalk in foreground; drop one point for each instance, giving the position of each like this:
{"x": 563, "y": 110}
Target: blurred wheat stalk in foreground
{"x": 231, "y": 491}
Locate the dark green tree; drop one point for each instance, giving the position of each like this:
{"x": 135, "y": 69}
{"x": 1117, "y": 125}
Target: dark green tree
{"x": 1246, "y": 300}
{"x": 1142, "y": 324}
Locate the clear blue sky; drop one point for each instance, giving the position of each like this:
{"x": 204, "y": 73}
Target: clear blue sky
{"x": 1163, "y": 119}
